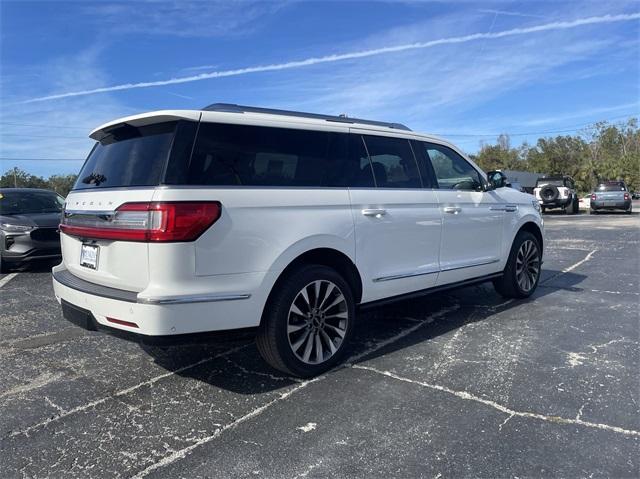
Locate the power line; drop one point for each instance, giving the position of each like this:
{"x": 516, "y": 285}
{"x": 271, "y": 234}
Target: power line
{"x": 575, "y": 128}
{"x": 88, "y": 128}
{"x": 46, "y": 136}
{"x": 41, "y": 159}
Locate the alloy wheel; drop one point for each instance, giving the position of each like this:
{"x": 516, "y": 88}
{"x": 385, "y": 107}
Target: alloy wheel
{"x": 317, "y": 322}
{"x": 527, "y": 265}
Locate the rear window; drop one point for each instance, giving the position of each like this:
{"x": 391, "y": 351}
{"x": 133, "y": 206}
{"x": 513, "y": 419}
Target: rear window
{"x": 243, "y": 155}
{"x": 25, "y": 202}
{"x": 128, "y": 156}
{"x": 543, "y": 182}
{"x": 611, "y": 187}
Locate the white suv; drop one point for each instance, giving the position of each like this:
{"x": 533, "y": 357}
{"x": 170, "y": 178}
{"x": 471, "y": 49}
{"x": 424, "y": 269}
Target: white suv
{"x": 236, "y": 217}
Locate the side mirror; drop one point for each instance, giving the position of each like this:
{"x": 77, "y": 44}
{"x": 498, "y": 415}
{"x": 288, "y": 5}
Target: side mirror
{"x": 496, "y": 179}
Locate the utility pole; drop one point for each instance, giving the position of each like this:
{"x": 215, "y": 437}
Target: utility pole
{"x": 15, "y": 181}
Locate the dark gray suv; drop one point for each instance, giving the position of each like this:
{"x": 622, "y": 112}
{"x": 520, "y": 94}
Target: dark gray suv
{"x": 29, "y": 220}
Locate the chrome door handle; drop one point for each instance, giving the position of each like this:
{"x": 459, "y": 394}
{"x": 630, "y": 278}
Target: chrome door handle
{"x": 454, "y": 210}
{"x": 377, "y": 212}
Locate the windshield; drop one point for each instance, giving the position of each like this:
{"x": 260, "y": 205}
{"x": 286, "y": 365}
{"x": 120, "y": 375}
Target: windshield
{"x": 25, "y": 202}
{"x": 611, "y": 187}
{"x": 128, "y": 156}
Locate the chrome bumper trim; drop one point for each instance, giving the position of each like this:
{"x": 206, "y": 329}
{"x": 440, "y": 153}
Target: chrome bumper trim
{"x": 200, "y": 298}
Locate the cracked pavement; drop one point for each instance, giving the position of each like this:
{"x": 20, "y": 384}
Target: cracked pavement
{"x": 456, "y": 384}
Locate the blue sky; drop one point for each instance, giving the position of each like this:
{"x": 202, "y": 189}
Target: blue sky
{"x": 467, "y": 70}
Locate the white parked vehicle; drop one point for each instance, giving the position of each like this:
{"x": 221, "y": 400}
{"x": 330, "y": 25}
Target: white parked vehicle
{"x": 236, "y": 217}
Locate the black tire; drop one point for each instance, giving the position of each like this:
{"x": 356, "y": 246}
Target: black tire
{"x": 508, "y": 284}
{"x": 549, "y": 193}
{"x": 543, "y": 209}
{"x": 3, "y": 266}
{"x": 629, "y": 211}
{"x": 593, "y": 212}
{"x": 274, "y": 341}
{"x": 575, "y": 207}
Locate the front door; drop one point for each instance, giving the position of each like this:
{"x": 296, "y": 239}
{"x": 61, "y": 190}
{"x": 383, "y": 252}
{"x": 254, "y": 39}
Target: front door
{"x": 472, "y": 219}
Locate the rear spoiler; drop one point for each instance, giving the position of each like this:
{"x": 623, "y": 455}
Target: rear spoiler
{"x": 145, "y": 119}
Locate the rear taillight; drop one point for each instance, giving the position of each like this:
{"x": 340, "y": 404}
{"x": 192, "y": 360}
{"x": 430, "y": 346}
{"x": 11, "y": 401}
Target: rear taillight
{"x": 147, "y": 222}
{"x": 626, "y": 196}
{"x": 593, "y": 196}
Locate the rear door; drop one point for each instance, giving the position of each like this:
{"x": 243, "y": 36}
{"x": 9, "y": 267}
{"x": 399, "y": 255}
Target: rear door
{"x": 397, "y": 221}
{"x": 125, "y": 166}
{"x": 472, "y": 219}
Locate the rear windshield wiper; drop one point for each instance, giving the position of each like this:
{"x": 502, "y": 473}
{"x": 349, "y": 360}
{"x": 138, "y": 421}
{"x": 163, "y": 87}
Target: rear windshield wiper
{"x": 94, "y": 179}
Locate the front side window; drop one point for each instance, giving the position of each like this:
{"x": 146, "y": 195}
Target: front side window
{"x": 452, "y": 171}
{"x": 245, "y": 155}
{"x": 393, "y": 163}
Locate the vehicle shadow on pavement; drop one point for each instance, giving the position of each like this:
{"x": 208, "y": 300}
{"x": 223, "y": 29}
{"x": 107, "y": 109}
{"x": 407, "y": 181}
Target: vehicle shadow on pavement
{"x": 231, "y": 361}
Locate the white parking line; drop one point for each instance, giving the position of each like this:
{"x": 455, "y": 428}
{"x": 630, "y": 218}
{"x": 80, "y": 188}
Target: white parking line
{"x": 504, "y": 409}
{"x": 7, "y": 278}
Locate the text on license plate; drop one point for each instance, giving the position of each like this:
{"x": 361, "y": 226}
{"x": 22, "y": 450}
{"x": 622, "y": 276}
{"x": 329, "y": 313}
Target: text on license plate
{"x": 89, "y": 256}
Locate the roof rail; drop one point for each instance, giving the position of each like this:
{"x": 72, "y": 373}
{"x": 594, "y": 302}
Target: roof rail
{"x": 232, "y": 108}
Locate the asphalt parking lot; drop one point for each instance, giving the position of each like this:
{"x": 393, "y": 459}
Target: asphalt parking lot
{"x": 453, "y": 385}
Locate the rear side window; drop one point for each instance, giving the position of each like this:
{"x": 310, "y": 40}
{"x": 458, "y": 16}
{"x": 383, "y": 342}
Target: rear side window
{"x": 128, "y": 156}
{"x": 452, "y": 171}
{"x": 246, "y": 155}
{"x": 393, "y": 163}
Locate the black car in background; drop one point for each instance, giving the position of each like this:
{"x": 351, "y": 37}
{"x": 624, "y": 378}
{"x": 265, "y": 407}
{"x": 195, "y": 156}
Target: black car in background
{"x": 29, "y": 219}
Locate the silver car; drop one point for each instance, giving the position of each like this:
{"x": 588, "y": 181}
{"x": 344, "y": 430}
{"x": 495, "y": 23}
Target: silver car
{"x": 611, "y": 195}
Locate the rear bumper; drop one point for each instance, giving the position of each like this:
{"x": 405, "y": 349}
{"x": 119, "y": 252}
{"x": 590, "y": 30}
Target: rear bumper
{"x": 557, "y": 203}
{"x": 610, "y": 205}
{"x": 153, "y": 315}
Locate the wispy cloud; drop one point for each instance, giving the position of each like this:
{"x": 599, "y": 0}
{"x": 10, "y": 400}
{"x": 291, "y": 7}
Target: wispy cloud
{"x": 182, "y": 18}
{"x": 633, "y": 108}
{"x": 559, "y": 25}
{"x": 510, "y": 14}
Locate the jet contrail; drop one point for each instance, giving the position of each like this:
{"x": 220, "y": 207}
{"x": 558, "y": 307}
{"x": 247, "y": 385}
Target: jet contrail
{"x": 349, "y": 56}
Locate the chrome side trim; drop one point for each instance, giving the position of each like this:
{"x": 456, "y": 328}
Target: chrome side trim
{"x": 404, "y": 275}
{"x": 196, "y": 298}
{"x": 422, "y": 273}
{"x": 66, "y": 278}
{"x": 482, "y": 263}
{"x": 508, "y": 208}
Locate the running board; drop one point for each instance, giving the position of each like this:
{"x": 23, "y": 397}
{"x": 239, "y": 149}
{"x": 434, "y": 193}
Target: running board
{"x": 427, "y": 291}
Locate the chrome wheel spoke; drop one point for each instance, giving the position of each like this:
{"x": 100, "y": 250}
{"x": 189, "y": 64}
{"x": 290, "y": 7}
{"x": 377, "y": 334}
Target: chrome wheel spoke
{"x": 292, "y": 328}
{"x": 316, "y": 289}
{"x": 328, "y": 340}
{"x": 318, "y": 348}
{"x": 338, "y": 300}
{"x": 340, "y": 332}
{"x": 296, "y": 310}
{"x": 308, "y": 348}
{"x": 295, "y": 346}
{"x": 343, "y": 315}
{"x": 327, "y": 294}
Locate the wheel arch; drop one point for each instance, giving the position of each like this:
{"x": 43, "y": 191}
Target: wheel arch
{"x": 329, "y": 257}
{"x": 535, "y": 230}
